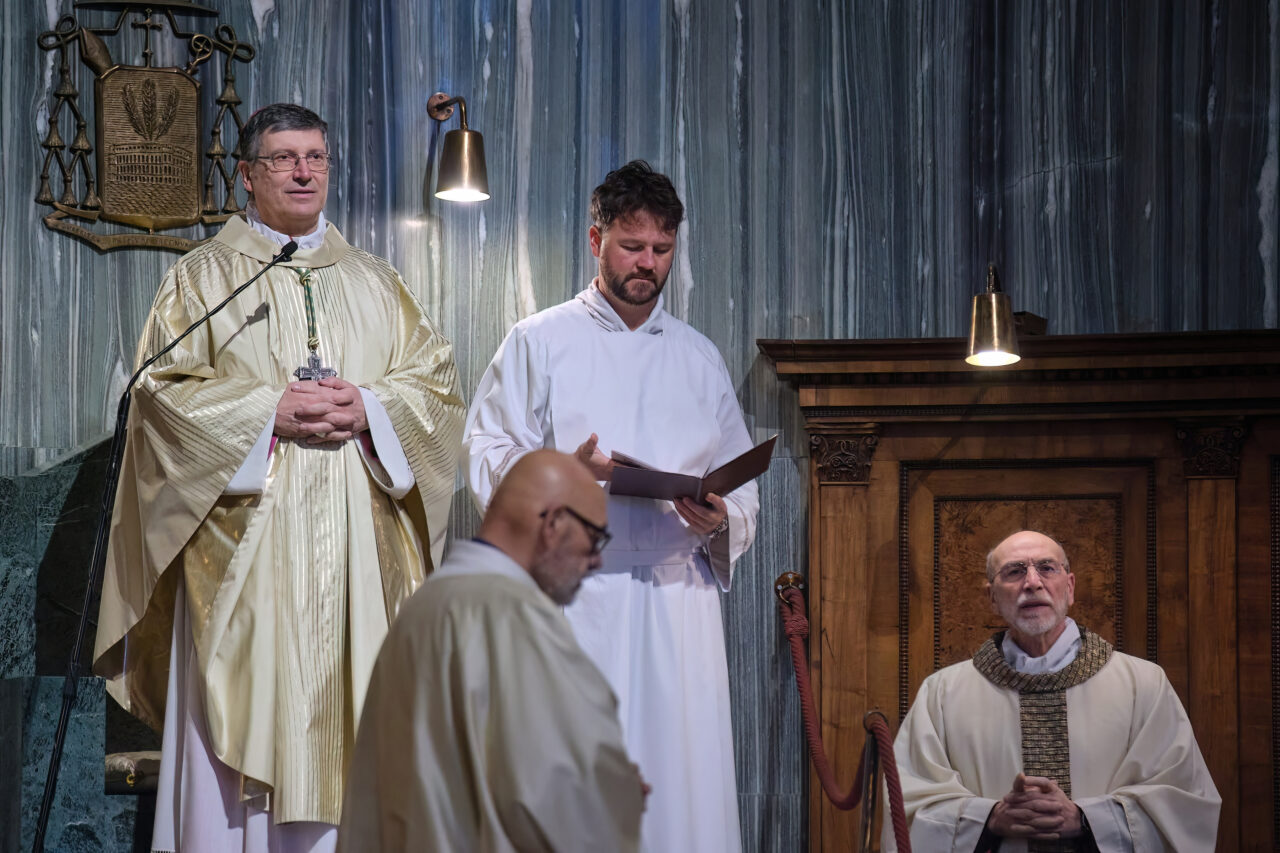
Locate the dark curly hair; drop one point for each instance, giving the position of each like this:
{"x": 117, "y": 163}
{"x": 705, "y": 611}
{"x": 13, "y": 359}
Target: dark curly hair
{"x": 274, "y": 118}
{"x": 632, "y": 188}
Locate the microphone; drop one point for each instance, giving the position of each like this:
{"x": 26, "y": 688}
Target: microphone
{"x": 98, "y": 564}
{"x": 284, "y": 256}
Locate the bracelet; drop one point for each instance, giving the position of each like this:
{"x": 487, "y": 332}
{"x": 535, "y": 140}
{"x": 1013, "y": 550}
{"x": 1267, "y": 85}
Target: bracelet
{"x": 720, "y": 529}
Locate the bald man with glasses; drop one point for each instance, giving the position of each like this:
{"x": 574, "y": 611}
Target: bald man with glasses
{"x": 486, "y": 727}
{"x": 1049, "y": 739}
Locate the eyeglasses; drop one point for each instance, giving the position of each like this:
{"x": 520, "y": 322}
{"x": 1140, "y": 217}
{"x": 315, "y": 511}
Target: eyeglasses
{"x": 1014, "y": 572}
{"x": 285, "y": 162}
{"x": 599, "y": 536}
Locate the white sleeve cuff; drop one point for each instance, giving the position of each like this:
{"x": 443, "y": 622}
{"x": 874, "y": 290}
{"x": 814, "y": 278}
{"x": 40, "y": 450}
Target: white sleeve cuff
{"x": 953, "y": 824}
{"x": 973, "y": 819}
{"x": 251, "y": 479}
{"x": 387, "y": 463}
{"x": 1108, "y": 822}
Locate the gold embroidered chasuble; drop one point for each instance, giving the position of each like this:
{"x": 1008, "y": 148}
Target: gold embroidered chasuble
{"x": 289, "y": 593}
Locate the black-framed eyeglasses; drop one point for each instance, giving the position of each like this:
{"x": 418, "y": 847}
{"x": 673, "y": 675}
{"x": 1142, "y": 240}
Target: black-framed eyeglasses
{"x": 599, "y": 536}
{"x": 317, "y": 161}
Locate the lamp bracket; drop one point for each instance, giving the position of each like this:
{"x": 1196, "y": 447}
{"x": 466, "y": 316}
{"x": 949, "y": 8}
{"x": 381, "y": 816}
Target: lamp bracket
{"x": 993, "y": 279}
{"x": 440, "y": 107}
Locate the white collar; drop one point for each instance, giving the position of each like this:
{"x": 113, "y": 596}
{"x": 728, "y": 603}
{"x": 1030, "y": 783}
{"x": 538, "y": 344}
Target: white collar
{"x": 601, "y": 310}
{"x": 473, "y": 556}
{"x": 314, "y": 240}
{"x": 1062, "y": 652}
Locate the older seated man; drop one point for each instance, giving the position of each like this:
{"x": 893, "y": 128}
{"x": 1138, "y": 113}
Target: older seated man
{"x": 485, "y": 726}
{"x": 1048, "y": 739}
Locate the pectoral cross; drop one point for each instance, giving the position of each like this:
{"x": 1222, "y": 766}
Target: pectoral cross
{"x": 313, "y": 370}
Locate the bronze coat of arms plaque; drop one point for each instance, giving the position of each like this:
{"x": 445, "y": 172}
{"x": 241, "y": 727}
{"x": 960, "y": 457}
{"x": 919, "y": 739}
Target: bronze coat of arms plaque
{"x": 157, "y": 169}
{"x": 149, "y": 147}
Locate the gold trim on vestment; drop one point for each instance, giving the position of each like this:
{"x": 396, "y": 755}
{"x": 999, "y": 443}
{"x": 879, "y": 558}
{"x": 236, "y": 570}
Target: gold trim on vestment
{"x": 289, "y": 592}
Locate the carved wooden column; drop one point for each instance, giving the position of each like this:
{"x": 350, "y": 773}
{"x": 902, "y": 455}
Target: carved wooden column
{"x": 1211, "y": 452}
{"x": 840, "y": 468}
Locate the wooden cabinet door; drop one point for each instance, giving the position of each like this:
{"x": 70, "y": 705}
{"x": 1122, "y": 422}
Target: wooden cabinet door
{"x": 1154, "y": 459}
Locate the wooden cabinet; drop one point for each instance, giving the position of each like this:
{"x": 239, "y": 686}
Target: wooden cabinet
{"x": 1154, "y": 459}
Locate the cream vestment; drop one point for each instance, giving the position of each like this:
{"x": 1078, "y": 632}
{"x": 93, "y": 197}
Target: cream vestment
{"x": 486, "y": 728}
{"x": 1130, "y": 762}
{"x": 288, "y": 592}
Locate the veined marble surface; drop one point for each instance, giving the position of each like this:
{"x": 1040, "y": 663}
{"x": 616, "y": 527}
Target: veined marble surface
{"x": 849, "y": 168}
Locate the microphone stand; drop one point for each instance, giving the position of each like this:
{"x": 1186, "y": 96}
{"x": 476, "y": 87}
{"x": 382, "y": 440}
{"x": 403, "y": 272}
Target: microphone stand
{"x": 98, "y": 564}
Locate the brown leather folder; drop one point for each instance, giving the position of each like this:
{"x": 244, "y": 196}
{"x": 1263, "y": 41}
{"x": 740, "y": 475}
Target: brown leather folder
{"x": 633, "y": 478}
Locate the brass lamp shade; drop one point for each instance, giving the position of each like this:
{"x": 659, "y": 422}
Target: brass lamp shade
{"x": 462, "y": 175}
{"x": 992, "y": 339}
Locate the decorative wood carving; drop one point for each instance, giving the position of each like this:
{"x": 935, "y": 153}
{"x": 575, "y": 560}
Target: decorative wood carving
{"x": 844, "y": 458}
{"x": 1076, "y": 440}
{"x": 1212, "y": 451}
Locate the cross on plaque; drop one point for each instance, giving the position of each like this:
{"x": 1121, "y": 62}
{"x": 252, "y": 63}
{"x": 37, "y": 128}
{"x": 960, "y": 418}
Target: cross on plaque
{"x": 314, "y": 371}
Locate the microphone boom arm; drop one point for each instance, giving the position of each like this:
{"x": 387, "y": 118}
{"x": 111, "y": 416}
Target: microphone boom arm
{"x": 98, "y": 563}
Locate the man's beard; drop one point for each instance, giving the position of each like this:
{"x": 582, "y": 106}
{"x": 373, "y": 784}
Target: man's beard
{"x": 618, "y": 287}
{"x": 1040, "y": 623}
{"x": 560, "y": 572}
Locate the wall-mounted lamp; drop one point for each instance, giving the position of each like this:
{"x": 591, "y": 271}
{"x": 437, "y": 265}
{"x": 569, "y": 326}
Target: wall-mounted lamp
{"x": 992, "y": 339}
{"x": 462, "y": 175}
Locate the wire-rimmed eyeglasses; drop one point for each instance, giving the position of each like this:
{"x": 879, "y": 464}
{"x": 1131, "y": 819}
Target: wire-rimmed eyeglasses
{"x": 317, "y": 161}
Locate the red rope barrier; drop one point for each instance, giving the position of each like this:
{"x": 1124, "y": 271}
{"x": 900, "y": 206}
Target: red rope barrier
{"x": 796, "y": 626}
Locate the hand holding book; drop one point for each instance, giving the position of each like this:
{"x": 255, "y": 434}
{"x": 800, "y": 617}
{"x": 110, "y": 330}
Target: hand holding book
{"x": 703, "y": 518}
{"x": 634, "y": 478}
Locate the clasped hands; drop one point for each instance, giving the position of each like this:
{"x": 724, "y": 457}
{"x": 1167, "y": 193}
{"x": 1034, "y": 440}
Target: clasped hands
{"x": 702, "y": 518}
{"x": 330, "y": 411}
{"x": 1036, "y": 808}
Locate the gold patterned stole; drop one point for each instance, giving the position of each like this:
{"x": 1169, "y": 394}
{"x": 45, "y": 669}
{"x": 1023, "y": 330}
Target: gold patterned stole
{"x": 1042, "y": 711}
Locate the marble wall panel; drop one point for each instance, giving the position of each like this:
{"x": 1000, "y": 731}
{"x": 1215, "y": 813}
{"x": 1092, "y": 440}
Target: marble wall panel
{"x": 769, "y": 748}
{"x": 849, "y": 169}
{"x": 81, "y": 820}
{"x": 18, "y": 563}
{"x": 42, "y": 526}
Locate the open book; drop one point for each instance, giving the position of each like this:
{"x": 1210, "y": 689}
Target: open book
{"x": 634, "y": 478}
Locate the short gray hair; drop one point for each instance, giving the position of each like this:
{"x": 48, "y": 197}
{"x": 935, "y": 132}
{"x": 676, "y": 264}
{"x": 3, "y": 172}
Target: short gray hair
{"x": 274, "y": 118}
